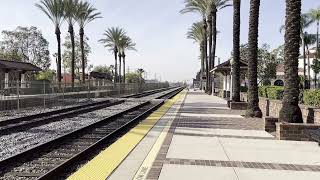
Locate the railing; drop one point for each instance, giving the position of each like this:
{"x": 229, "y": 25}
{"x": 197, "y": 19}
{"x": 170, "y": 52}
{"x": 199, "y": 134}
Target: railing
{"x": 14, "y": 95}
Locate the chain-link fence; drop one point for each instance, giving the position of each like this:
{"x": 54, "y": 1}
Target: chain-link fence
{"x": 15, "y": 95}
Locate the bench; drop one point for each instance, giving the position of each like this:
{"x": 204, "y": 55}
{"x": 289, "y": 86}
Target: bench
{"x": 313, "y": 135}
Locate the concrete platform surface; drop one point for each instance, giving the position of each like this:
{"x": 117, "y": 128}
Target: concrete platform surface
{"x": 201, "y": 138}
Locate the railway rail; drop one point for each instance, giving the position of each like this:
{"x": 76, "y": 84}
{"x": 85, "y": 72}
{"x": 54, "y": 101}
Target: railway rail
{"x": 52, "y": 159}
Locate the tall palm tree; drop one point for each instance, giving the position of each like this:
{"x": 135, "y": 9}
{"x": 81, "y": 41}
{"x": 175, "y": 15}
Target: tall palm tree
{"x": 253, "y": 99}
{"x": 213, "y": 6}
{"x": 309, "y": 40}
{"x": 201, "y": 7}
{"x": 305, "y": 23}
{"x": 315, "y": 17}
{"x": 196, "y": 33}
{"x": 236, "y": 51}
{"x": 71, "y": 7}
{"x": 126, "y": 44}
{"x": 54, "y": 9}
{"x": 86, "y": 14}
{"x": 111, "y": 41}
{"x": 291, "y": 111}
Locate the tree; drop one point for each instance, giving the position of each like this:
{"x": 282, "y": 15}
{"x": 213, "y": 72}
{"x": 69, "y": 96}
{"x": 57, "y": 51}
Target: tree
{"x": 67, "y": 55}
{"x": 26, "y": 44}
{"x": 236, "y": 51}
{"x": 267, "y": 61}
{"x": 196, "y": 33}
{"x": 201, "y": 7}
{"x": 315, "y": 18}
{"x": 134, "y": 77}
{"x": 111, "y": 41}
{"x": 54, "y": 9}
{"x": 126, "y": 44}
{"x": 309, "y": 40}
{"x": 71, "y": 8}
{"x": 213, "y": 7}
{"x": 45, "y": 75}
{"x": 267, "y": 65}
{"x": 253, "y": 99}
{"x": 291, "y": 111}
{"x": 105, "y": 69}
{"x": 85, "y": 14}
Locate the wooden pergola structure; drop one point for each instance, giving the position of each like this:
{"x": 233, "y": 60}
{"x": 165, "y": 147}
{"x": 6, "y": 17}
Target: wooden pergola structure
{"x": 226, "y": 70}
{"x": 15, "y": 66}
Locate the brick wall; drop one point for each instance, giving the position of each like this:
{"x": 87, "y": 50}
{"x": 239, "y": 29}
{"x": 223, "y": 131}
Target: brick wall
{"x": 310, "y": 114}
{"x": 294, "y": 132}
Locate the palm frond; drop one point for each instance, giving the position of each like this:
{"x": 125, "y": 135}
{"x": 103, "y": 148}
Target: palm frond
{"x": 54, "y": 9}
{"x": 86, "y": 14}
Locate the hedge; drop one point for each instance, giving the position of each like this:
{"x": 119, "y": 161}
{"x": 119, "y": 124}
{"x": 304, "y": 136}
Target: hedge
{"x": 271, "y": 92}
{"x": 311, "y": 97}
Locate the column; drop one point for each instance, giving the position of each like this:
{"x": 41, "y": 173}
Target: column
{"x": 213, "y": 84}
{"x": 225, "y": 82}
{"x": 6, "y": 79}
{"x": 23, "y": 80}
{"x": 231, "y": 85}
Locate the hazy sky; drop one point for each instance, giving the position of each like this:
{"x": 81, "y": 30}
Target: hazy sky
{"x": 157, "y": 28}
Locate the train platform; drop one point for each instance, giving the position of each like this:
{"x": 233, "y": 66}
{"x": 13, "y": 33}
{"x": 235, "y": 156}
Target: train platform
{"x": 196, "y": 136}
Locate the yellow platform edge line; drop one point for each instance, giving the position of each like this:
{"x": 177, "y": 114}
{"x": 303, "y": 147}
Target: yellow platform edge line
{"x": 144, "y": 169}
{"x": 101, "y": 166}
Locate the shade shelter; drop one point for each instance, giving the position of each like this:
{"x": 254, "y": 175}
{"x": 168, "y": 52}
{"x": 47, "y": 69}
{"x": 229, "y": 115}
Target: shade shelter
{"x": 226, "y": 70}
{"x": 14, "y": 66}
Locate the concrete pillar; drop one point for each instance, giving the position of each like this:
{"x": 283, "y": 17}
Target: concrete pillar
{"x": 213, "y": 84}
{"x": 231, "y": 85}
{"x": 225, "y": 82}
{"x": 6, "y": 80}
{"x": 228, "y": 82}
{"x": 23, "y": 80}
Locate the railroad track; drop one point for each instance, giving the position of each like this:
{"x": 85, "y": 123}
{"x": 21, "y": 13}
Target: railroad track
{"x": 47, "y": 160}
{"x": 143, "y": 94}
{"x": 23, "y": 123}
{"x": 54, "y": 158}
{"x": 27, "y": 122}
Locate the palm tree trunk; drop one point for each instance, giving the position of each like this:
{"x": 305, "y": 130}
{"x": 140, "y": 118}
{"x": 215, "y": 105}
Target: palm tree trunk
{"x": 309, "y": 66}
{"x": 316, "y": 59}
{"x": 236, "y": 51}
{"x": 304, "y": 62}
{"x": 58, "y": 33}
{"x": 253, "y": 99}
{"x": 202, "y": 64}
{"x": 81, "y": 33}
{"x": 214, "y": 46}
{"x": 71, "y": 31}
{"x": 291, "y": 111}
{"x": 115, "y": 80}
{"x": 205, "y": 52}
{"x": 209, "y": 22}
{"x": 124, "y": 68}
{"x": 120, "y": 78}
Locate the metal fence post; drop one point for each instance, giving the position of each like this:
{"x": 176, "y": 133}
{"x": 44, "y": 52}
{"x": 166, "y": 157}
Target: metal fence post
{"x": 18, "y": 96}
{"x": 44, "y": 94}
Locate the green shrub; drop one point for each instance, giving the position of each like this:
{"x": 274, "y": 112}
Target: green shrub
{"x": 271, "y": 92}
{"x": 311, "y": 97}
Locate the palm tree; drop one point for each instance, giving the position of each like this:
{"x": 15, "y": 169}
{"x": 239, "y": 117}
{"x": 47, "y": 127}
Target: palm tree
{"x": 54, "y": 9}
{"x": 315, "y": 18}
{"x": 253, "y": 99}
{"x": 71, "y": 7}
{"x": 291, "y": 111}
{"x": 201, "y": 7}
{"x": 236, "y": 51}
{"x": 305, "y": 23}
{"x": 213, "y": 6}
{"x": 126, "y": 44}
{"x": 196, "y": 33}
{"x": 86, "y": 14}
{"x": 111, "y": 41}
{"x": 309, "y": 39}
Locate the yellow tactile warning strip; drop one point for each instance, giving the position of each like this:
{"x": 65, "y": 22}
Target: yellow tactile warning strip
{"x": 147, "y": 163}
{"x": 100, "y": 167}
